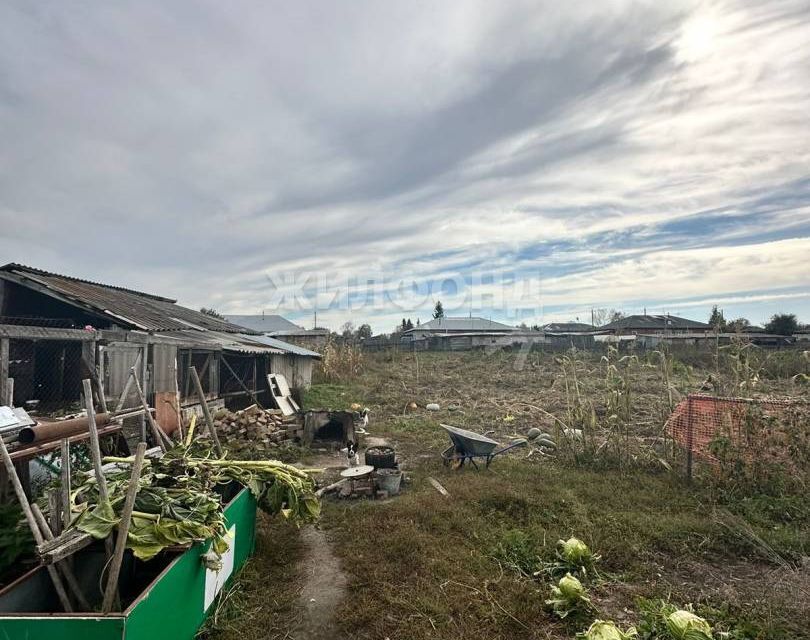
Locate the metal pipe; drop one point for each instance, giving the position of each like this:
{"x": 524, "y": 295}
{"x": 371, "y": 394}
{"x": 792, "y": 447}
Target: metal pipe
{"x": 58, "y": 430}
{"x": 48, "y": 431}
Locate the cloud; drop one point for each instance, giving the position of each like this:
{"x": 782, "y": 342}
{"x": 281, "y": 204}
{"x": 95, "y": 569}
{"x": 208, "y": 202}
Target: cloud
{"x": 624, "y": 150}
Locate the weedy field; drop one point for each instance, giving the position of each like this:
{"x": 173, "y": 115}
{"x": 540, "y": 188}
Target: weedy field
{"x": 733, "y": 545}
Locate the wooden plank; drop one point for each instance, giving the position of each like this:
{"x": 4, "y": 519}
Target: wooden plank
{"x": 65, "y": 478}
{"x": 252, "y": 394}
{"x": 123, "y": 529}
{"x": 54, "y": 512}
{"x": 53, "y": 551}
{"x": 144, "y": 374}
{"x": 95, "y": 448}
{"x": 89, "y": 361}
{"x": 205, "y": 366}
{"x": 209, "y": 421}
{"x": 439, "y": 487}
{"x": 160, "y": 437}
{"x": 4, "y": 357}
{"x": 177, "y": 401}
{"x": 63, "y": 565}
{"x": 95, "y": 451}
{"x": 278, "y": 385}
{"x": 22, "y": 332}
{"x": 127, "y": 386}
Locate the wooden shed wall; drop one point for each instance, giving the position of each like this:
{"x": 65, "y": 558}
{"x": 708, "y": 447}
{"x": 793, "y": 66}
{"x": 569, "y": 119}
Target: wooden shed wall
{"x": 297, "y": 369}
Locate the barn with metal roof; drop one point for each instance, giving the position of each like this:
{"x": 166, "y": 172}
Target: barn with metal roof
{"x": 56, "y": 330}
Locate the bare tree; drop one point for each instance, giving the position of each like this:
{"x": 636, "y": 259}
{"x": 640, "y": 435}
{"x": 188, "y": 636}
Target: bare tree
{"x": 347, "y": 330}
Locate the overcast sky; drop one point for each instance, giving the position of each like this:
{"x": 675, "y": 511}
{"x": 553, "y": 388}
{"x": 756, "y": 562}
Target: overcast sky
{"x": 608, "y": 154}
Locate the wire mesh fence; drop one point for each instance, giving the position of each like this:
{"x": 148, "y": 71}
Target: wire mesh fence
{"x": 47, "y": 374}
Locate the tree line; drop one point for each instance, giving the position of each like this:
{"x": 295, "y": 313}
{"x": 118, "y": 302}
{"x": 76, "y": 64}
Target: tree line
{"x": 781, "y": 324}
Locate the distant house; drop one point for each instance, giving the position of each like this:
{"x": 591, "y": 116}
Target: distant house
{"x": 707, "y": 339}
{"x": 649, "y": 331}
{"x": 457, "y": 326}
{"x": 276, "y": 326}
{"x": 463, "y": 333}
{"x": 569, "y": 334}
{"x": 753, "y": 328}
{"x": 567, "y": 327}
{"x": 654, "y": 324}
{"x": 802, "y": 334}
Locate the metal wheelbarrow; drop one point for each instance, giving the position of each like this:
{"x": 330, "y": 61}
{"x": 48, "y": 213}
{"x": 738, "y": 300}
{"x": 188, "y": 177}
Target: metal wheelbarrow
{"x": 468, "y": 445}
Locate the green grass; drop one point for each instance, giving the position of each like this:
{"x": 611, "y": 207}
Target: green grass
{"x": 330, "y": 396}
{"x": 424, "y": 566}
{"x": 261, "y": 602}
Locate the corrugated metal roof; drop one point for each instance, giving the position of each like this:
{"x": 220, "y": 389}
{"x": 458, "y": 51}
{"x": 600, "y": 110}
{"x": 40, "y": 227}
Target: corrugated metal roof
{"x": 237, "y": 342}
{"x": 264, "y": 323}
{"x": 274, "y": 325}
{"x": 126, "y": 307}
{"x": 462, "y": 324}
{"x": 216, "y": 340}
{"x": 655, "y": 322}
{"x": 293, "y": 349}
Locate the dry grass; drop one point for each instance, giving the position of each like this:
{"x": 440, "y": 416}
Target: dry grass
{"x": 423, "y": 566}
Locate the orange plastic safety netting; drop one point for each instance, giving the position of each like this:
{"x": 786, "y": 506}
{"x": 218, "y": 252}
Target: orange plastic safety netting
{"x": 720, "y": 430}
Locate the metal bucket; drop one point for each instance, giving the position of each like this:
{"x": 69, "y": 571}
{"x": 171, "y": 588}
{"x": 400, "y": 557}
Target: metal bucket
{"x": 389, "y": 480}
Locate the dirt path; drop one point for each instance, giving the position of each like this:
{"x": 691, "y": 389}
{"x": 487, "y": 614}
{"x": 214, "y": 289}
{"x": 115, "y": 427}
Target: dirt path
{"x": 324, "y": 588}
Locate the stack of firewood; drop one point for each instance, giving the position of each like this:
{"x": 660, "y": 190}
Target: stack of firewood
{"x": 254, "y": 429}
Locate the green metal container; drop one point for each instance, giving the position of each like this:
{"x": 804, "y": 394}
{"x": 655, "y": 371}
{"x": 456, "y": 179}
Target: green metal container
{"x": 173, "y": 606}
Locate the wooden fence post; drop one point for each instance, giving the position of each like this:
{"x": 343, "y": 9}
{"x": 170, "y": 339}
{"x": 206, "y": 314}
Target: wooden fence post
{"x": 123, "y": 529}
{"x": 690, "y": 436}
{"x": 209, "y": 421}
{"x": 4, "y": 358}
